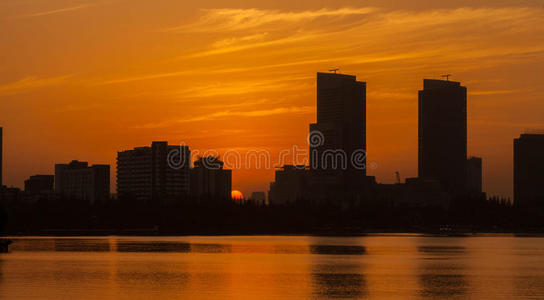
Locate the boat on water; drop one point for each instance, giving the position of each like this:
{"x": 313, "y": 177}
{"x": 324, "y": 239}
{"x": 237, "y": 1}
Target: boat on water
{"x": 4, "y": 245}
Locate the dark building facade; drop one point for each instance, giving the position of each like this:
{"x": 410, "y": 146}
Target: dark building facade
{"x": 290, "y": 185}
{"x": 39, "y": 188}
{"x": 79, "y": 181}
{"x": 37, "y": 184}
{"x": 153, "y": 174}
{"x": 258, "y": 198}
{"x": 529, "y": 170}
{"x": 474, "y": 175}
{"x": 442, "y": 134}
{"x": 340, "y": 128}
{"x": 414, "y": 193}
{"x": 209, "y": 179}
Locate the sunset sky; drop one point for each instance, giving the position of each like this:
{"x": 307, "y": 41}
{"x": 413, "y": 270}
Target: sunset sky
{"x": 85, "y": 79}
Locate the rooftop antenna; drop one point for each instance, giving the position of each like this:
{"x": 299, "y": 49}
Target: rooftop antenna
{"x": 447, "y": 76}
{"x": 334, "y": 70}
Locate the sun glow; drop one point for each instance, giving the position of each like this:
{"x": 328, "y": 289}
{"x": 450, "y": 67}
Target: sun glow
{"x": 237, "y": 196}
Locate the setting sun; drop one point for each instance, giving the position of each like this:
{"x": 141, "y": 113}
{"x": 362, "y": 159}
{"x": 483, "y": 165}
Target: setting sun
{"x": 237, "y": 195}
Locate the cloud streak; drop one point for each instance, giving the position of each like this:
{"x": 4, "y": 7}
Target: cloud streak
{"x": 233, "y": 114}
{"x": 58, "y": 11}
{"x": 30, "y": 83}
{"x": 243, "y": 19}
{"x": 229, "y": 88}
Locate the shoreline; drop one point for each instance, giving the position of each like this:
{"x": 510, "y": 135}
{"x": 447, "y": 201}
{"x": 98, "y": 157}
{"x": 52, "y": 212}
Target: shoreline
{"x": 101, "y": 234}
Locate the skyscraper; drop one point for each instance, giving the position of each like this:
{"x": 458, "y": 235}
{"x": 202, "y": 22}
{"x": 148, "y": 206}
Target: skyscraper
{"x": 442, "y": 140}
{"x": 79, "y": 181}
{"x": 153, "y": 174}
{"x": 340, "y": 126}
{"x": 529, "y": 170}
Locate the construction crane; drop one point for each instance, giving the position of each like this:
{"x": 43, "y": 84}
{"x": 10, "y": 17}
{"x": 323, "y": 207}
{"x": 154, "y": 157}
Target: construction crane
{"x": 447, "y": 76}
{"x": 397, "y": 174}
{"x": 334, "y": 70}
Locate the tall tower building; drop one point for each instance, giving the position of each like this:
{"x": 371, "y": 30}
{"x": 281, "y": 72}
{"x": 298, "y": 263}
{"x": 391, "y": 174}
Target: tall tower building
{"x": 529, "y": 170}
{"x": 442, "y": 139}
{"x": 341, "y": 125}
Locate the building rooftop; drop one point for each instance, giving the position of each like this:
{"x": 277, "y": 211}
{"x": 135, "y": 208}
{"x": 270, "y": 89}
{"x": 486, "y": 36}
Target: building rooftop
{"x": 437, "y": 83}
{"x": 532, "y": 136}
{"x": 337, "y": 76}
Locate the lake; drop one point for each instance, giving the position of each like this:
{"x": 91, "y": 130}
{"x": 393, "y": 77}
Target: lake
{"x": 401, "y": 266}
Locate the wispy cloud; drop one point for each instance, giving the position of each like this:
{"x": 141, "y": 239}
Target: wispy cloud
{"x": 142, "y": 77}
{"x": 29, "y": 83}
{"x": 243, "y": 19}
{"x": 391, "y": 95}
{"x": 243, "y": 87}
{"x": 237, "y": 40}
{"x": 492, "y": 92}
{"x": 234, "y": 47}
{"x": 70, "y": 108}
{"x": 400, "y": 40}
{"x": 233, "y": 114}
{"x": 58, "y": 11}
{"x": 420, "y": 34}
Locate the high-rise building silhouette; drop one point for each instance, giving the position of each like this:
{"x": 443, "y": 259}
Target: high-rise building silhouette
{"x": 336, "y": 140}
{"x": 209, "y": 179}
{"x": 289, "y": 186}
{"x": 341, "y": 124}
{"x": 153, "y": 175}
{"x": 79, "y": 181}
{"x": 442, "y": 149}
{"x": 529, "y": 170}
{"x": 37, "y": 184}
{"x": 474, "y": 175}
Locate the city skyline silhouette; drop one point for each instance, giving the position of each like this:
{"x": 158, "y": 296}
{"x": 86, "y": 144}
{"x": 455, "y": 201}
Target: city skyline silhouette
{"x": 339, "y": 149}
{"x": 436, "y": 122}
{"x": 218, "y": 76}
{"x": 333, "y": 169}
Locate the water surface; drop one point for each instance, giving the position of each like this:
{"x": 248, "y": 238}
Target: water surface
{"x": 373, "y": 267}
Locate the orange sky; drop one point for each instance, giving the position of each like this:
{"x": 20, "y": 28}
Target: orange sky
{"x": 84, "y": 79}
